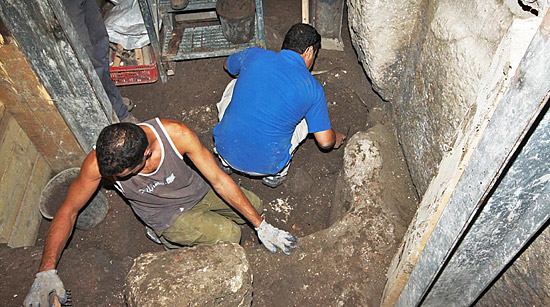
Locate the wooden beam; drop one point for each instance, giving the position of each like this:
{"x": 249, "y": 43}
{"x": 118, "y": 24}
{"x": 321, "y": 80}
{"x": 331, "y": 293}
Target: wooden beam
{"x": 18, "y": 156}
{"x": 25, "y": 229}
{"x": 305, "y": 11}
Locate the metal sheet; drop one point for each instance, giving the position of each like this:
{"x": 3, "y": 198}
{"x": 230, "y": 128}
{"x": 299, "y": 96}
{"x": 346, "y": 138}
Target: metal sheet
{"x": 434, "y": 280}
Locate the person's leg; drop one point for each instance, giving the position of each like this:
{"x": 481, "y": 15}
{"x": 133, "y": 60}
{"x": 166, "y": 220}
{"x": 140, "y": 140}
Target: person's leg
{"x": 226, "y": 99}
{"x": 299, "y": 135}
{"x": 219, "y": 206}
{"x": 208, "y": 222}
{"x": 221, "y": 106}
{"x": 90, "y": 27}
{"x": 100, "y": 42}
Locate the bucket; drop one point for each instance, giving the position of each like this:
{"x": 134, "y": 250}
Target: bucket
{"x": 54, "y": 193}
{"x": 237, "y": 19}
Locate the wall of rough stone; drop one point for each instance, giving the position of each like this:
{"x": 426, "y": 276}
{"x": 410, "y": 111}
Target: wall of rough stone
{"x": 441, "y": 66}
{"x": 427, "y": 58}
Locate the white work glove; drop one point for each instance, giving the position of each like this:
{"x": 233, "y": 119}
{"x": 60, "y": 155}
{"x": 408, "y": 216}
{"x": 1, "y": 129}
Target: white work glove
{"x": 273, "y": 238}
{"x": 45, "y": 283}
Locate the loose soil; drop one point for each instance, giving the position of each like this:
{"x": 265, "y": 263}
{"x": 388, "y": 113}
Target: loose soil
{"x": 95, "y": 262}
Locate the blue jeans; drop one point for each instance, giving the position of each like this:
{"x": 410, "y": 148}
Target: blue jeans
{"x": 89, "y": 25}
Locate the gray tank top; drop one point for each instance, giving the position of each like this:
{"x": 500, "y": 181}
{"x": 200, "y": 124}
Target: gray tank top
{"x": 160, "y": 197}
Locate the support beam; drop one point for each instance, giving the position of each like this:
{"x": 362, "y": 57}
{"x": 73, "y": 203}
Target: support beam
{"x": 500, "y": 202}
{"x": 150, "y": 18}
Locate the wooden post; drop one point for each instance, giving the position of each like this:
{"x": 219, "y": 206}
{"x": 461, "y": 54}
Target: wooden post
{"x": 305, "y": 11}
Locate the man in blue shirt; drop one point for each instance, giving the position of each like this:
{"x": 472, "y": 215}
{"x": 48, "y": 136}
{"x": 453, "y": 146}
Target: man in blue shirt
{"x": 271, "y": 107}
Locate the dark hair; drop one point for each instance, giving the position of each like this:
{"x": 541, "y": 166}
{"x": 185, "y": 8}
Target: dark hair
{"x": 119, "y": 147}
{"x": 300, "y": 36}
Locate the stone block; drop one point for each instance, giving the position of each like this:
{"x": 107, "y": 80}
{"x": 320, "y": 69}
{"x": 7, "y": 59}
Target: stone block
{"x": 362, "y": 160}
{"x": 205, "y": 275}
{"x": 428, "y": 59}
{"x": 381, "y": 32}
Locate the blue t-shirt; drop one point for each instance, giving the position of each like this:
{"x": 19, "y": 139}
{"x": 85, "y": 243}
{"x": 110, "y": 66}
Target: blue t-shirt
{"x": 273, "y": 93}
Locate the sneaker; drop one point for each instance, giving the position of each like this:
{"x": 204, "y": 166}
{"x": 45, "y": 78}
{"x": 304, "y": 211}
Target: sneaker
{"x": 131, "y": 119}
{"x": 273, "y": 181}
{"x": 179, "y": 4}
{"x": 166, "y": 248}
{"x": 128, "y": 103}
{"x": 152, "y": 235}
{"x": 225, "y": 168}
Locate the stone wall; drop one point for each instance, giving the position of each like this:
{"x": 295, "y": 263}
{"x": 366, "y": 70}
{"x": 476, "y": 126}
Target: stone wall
{"x": 427, "y": 59}
{"x": 442, "y": 65}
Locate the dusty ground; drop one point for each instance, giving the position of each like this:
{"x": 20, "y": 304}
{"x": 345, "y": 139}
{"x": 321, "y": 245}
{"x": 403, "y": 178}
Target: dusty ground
{"x": 95, "y": 262}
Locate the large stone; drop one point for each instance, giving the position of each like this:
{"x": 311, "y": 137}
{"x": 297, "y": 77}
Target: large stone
{"x": 381, "y": 33}
{"x": 439, "y": 96}
{"x": 345, "y": 264}
{"x": 456, "y": 152}
{"x": 428, "y": 59}
{"x": 205, "y": 275}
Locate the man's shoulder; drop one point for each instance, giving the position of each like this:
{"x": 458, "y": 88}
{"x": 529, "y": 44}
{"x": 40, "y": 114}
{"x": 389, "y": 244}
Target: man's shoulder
{"x": 173, "y": 126}
{"x": 252, "y": 52}
{"x": 177, "y": 130}
{"x": 90, "y": 167}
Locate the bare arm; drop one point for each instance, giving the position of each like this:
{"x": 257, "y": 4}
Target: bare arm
{"x": 62, "y": 225}
{"x": 329, "y": 139}
{"x": 188, "y": 143}
{"x": 227, "y": 70}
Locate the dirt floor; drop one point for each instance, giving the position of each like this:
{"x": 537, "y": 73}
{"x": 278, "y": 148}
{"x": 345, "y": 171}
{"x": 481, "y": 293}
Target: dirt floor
{"x": 95, "y": 262}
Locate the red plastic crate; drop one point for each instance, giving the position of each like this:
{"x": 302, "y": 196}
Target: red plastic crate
{"x": 127, "y": 75}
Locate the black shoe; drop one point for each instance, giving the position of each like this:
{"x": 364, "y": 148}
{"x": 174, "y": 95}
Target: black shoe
{"x": 179, "y": 4}
{"x": 128, "y": 103}
{"x": 273, "y": 181}
{"x": 225, "y": 168}
{"x": 152, "y": 235}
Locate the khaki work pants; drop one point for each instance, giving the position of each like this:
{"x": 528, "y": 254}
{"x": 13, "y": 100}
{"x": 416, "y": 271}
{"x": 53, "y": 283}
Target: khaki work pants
{"x": 209, "y": 221}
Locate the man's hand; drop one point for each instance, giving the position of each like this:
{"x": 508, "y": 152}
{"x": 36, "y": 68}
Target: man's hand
{"x": 273, "y": 238}
{"x": 45, "y": 283}
{"x": 340, "y": 138}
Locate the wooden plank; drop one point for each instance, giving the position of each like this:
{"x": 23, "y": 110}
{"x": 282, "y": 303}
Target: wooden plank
{"x": 117, "y": 60}
{"x": 305, "y": 11}
{"x": 20, "y": 158}
{"x": 147, "y": 55}
{"x": 473, "y": 229}
{"x": 9, "y": 130}
{"x": 25, "y": 229}
{"x": 175, "y": 39}
{"x": 139, "y": 56}
{"x": 197, "y": 16}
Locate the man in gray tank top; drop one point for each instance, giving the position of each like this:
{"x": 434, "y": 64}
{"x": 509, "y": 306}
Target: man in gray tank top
{"x": 146, "y": 163}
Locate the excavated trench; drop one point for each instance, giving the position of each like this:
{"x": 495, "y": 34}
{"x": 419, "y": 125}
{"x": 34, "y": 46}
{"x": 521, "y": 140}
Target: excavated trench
{"x": 349, "y": 207}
